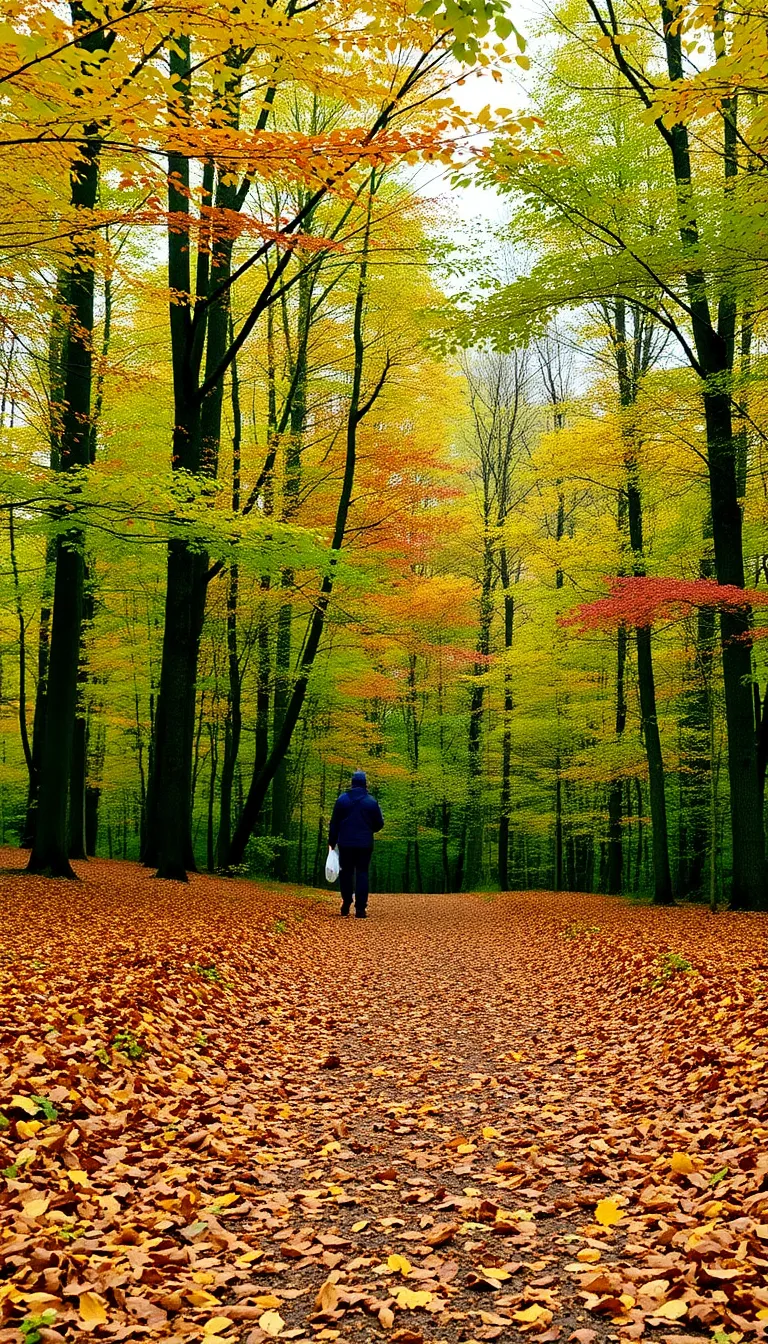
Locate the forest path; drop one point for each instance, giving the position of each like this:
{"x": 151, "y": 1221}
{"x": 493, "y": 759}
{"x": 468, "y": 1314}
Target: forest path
{"x": 222, "y": 1096}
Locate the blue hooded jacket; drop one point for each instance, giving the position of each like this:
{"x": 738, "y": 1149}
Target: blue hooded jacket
{"x": 356, "y": 816}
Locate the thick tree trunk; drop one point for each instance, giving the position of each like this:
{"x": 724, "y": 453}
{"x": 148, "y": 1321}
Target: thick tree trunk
{"x": 170, "y": 823}
{"x": 714, "y": 349}
{"x": 169, "y": 844}
{"x": 50, "y": 847}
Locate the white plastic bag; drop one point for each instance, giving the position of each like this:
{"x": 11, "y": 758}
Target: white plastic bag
{"x": 332, "y": 865}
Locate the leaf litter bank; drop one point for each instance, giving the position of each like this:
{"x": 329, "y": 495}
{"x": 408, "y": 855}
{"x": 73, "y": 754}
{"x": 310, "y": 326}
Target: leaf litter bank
{"x": 229, "y": 1115}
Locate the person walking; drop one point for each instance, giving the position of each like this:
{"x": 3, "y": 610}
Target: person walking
{"x": 355, "y": 820}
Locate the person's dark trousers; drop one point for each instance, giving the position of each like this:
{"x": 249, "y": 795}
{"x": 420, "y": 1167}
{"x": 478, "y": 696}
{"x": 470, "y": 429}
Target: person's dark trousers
{"x": 354, "y": 862}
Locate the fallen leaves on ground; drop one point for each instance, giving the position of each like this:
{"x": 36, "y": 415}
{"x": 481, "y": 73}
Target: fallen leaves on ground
{"x": 228, "y": 1115}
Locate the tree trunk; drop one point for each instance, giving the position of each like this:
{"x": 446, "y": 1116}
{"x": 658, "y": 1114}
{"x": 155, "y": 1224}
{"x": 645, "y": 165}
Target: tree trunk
{"x": 506, "y": 740}
{"x": 474, "y": 809}
{"x": 50, "y": 849}
{"x": 234, "y": 720}
{"x": 714, "y": 350}
{"x": 214, "y": 754}
{"x": 662, "y": 879}
{"x": 38, "y": 719}
{"x": 616, "y": 788}
{"x": 170, "y": 821}
{"x": 662, "y": 876}
{"x": 77, "y": 778}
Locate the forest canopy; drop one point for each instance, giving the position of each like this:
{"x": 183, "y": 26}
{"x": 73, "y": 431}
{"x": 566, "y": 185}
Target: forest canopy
{"x": 305, "y": 469}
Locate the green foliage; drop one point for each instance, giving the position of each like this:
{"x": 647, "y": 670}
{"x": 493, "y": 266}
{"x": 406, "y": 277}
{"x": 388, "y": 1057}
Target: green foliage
{"x": 211, "y": 974}
{"x": 578, "y": 930}
{"x": 126, "y": 1043}
{"x": 31, "y": 1325}
{"x": 669, "y": 965}
{"x": 45, "y": 1107}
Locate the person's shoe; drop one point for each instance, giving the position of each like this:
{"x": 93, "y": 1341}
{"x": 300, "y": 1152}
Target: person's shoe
{"x": 345, "y": 911}
{"x": 361, "y": 914}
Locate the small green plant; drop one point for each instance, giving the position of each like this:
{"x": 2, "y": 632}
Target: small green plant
{"x": 4, "y": 1121}
{"x": 280, "y": 926}
{"x": 127, "y": 1044}
{"x": 579, "y": 929}
{"x": 669, "y": 965}
{"x": 44, "y": 1106}
{"x": 30, "y": 1326}
{"x": 10, "y": 1173}
{"x": 718, "y": 1176}
{"x": 211, "y": 974}
{"x": 201, "y": 1040}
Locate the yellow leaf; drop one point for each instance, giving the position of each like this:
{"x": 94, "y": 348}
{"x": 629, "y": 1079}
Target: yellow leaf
{"x": 671, "y": 1311}
{"x": 588, "y": 1256}
{"x": 335, "y": 1189}
{"x": 328, "y": 1296}
{"x": 199, "y": 1298}
{"x": 223, "y": 1201}
{"x": 627, "y": 1300}
{"x": 248, "y": 1258}
{"x": 216, "y": 1324}
{"x": 25, "y": 1104}
{"x": 410, "y": 1300}
{"x": 491, "y": 1272}
{"x": 78, "y": 1177}
{"x": 361, "y": 1226}
{"x": 762, "y": 1314}
{"x": 271, "y": 1323}
{"x": 399, "y": 1264}
{"x": 267, "y": 1301}
{"x": 35, "y": 1208}
{"x": 465, "y": 1148}
{"x": 490, "y": 1133}
{"x": 27, "y": 1129}
{"x": 92, "y": 1309}
{"x": 607, "y": 1213}
{"x": 530, "y": 1315}
{"x": 682, "y": 1164}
